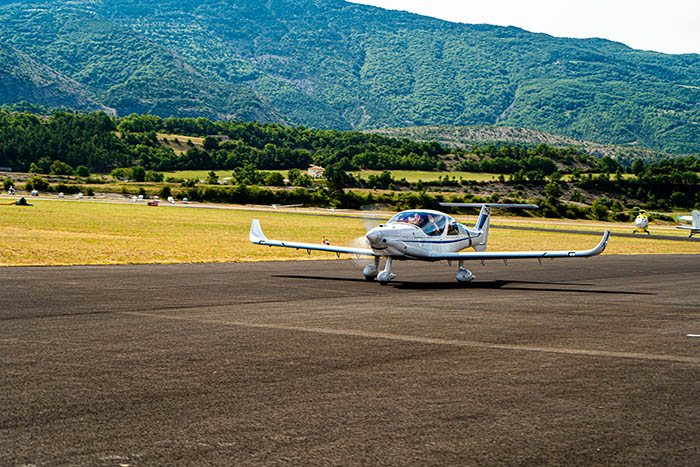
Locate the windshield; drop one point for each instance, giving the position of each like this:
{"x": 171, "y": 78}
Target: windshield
{"x": 431, "y": 223}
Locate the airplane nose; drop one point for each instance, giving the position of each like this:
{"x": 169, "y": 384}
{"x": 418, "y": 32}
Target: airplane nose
{"x": 374, "y": 236}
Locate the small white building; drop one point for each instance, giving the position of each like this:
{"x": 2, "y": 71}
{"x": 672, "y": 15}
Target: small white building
{"x": 315, "y": 171}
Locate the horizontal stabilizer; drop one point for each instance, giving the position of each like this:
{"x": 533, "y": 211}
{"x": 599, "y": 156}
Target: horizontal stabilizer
{"x": 493, "y": 205}
{"x": 693, "y": 218}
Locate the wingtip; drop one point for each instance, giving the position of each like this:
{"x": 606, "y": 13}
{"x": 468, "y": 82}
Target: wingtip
{"x": 256, "y": 233}
{"x": 604, "y": 241}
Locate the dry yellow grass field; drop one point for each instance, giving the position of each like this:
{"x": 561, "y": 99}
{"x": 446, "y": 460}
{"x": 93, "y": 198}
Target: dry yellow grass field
{"x": 179, "y": 143}
{"x": 67, "y": 232}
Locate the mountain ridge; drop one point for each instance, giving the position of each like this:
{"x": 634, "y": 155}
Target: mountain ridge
{"x": 480, "y": 135}
{"x": 333, "y": 64}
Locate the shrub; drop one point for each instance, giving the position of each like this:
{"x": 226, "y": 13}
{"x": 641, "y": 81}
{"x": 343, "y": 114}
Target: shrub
{"x": 274, "y": 179}
{"x": 212, "y": 178}
{"x": 678, "y": 199}
{"x": 37, "y": 183}
{"x": 210, "y": 143}
{"x": 61, "y": 168}
{"x": 303, "y": 180}
{"x": 153, "y": 176}
{"x": 121, "y": 173}
{"x": 68, "y": 189}
{"x": 138, "y": 173}
{"x": 600, "y": 211}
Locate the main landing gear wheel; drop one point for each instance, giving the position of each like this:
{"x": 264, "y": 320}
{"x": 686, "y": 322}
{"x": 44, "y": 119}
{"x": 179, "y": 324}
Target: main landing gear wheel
{"x": 464, "y": 275}
{"x": 370, "y": 271}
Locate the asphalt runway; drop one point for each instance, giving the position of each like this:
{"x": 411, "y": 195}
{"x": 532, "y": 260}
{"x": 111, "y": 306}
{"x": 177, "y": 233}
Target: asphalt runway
{"x": 580, "y": 362}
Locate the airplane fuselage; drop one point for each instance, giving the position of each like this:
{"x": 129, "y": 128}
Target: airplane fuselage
{"x": 415, "y": 234}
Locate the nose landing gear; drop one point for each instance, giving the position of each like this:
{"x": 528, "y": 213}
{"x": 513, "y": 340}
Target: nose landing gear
{"x": 386, "y": 275}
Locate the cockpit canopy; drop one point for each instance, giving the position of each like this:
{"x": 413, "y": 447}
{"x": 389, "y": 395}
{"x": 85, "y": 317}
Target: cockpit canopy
{"x": 431, "y": 222}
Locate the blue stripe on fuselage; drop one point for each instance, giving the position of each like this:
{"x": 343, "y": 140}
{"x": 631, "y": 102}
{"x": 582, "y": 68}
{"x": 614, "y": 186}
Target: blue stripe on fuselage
{"x": 437, "y": 241}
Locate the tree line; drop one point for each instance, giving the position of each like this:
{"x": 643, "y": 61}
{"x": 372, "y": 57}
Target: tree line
{"x": 103, "y": 143}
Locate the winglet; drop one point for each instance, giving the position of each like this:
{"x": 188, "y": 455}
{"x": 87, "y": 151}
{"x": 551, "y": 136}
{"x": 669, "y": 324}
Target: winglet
{"x": 256, "y": 233}
{"x": 595, "y": 251}
{"x": 601, "y": 246}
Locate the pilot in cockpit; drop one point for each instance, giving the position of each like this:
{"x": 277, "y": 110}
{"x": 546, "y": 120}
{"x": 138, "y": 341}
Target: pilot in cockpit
{"x": 416, "y": 219}
{"x": 432, "y": 228}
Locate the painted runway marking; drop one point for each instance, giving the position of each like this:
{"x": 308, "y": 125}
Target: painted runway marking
{"x": 431, "y": 340}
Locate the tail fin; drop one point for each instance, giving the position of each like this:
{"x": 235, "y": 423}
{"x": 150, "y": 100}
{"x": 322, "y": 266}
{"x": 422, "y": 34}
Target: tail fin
{"x": 696, "y": 219}
{"x": 482, "y": 223}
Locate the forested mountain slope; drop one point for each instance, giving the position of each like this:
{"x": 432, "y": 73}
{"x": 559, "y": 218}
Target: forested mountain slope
{"x": 22, "y": 78}
{"x": 333, "y": 64}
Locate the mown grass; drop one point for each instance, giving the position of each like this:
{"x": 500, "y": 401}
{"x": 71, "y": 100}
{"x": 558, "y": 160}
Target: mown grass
{"x": 82, "y": 232}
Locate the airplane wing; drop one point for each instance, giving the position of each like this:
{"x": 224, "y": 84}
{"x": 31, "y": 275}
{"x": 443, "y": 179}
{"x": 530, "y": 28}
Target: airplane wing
{"x": 258, "y": 237}
{"x": 493, "y": 205}
{"x": 486, "y": 255}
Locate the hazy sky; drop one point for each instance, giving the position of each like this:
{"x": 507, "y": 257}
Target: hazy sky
{"x": 670, "y": 26}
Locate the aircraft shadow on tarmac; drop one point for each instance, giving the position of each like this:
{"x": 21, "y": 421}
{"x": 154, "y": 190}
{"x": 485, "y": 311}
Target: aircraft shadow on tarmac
{"x": 508, "y": 285}
{"x": 495, "y": 284}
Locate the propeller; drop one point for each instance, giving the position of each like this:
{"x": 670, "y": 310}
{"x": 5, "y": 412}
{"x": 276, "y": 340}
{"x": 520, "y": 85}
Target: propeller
{"x": 369, "y": 222}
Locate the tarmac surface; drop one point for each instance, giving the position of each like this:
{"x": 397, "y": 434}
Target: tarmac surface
{"x": 580, "y": 362}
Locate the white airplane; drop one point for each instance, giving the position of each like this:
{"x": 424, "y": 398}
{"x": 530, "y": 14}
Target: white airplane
{"x": 694, "y": 219}
{"x": 427, "y": 235}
